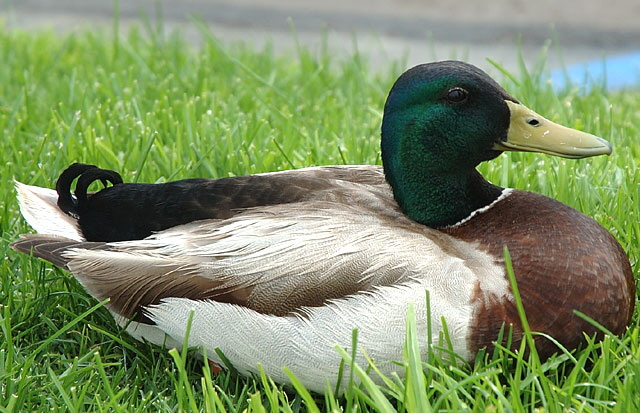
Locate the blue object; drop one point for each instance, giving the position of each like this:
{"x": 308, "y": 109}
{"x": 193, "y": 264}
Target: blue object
{"x": 614, "y": 73}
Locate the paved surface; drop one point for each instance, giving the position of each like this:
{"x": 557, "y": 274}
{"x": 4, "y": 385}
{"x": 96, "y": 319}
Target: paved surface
{"x": 418, "y": 30}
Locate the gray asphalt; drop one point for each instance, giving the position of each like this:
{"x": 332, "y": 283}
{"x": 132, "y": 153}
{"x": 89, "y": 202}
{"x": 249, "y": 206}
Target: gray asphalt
{"x": 415, "y": 30}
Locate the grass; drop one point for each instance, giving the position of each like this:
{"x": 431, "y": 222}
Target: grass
{"x": 153, "y": 108}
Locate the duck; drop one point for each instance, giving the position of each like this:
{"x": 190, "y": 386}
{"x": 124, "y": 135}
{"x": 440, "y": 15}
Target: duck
{"x": 277, "y": 269}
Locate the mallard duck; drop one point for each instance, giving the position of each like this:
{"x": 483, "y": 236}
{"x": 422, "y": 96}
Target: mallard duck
{"x": 279, "y": 268}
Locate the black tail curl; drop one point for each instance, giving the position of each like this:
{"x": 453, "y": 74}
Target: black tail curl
{"x": 86, "y": 174}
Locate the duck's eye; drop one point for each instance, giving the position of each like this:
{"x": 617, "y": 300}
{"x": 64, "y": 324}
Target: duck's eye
{"x": 457, "y": 95}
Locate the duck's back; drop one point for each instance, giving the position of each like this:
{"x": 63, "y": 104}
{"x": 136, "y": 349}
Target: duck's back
{"x": 134, "y": 211}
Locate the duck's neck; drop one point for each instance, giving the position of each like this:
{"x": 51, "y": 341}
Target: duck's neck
{"x": 441, "y": 199}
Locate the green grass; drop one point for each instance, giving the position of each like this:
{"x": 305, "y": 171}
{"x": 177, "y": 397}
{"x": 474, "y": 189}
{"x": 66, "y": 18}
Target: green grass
{"x": 155, "y": 109}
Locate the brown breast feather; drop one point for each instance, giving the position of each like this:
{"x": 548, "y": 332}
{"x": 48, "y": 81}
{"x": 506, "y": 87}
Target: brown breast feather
{"x": 563, "y": 261}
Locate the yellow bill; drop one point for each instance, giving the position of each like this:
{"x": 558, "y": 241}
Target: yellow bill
{"x": 530, "y": 132}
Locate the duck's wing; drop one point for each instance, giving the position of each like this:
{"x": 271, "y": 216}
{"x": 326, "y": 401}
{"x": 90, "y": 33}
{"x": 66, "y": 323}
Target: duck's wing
{"x": 284, "y": 243}
{"x": 274, "y": 260}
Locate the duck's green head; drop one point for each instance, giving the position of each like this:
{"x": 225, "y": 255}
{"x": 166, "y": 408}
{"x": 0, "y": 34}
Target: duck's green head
{"x": 441, "y": 120}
